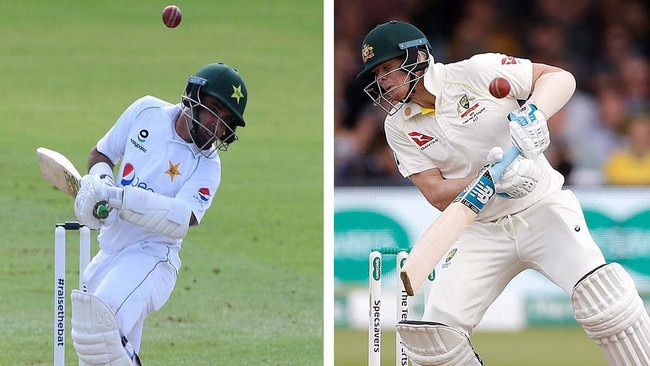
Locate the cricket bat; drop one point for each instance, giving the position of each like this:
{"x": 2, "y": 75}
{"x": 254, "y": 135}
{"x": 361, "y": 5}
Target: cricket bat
{"x": 58, "y": 171}
{"x": 450, "y": 224}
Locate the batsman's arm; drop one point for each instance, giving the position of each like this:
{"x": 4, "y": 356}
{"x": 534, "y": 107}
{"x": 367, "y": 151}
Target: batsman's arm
{"x": 449, "y": 225}
{"x": 101, "y": 165}
{"x": 440, "y": 192}
{"x": 552, "y": 88}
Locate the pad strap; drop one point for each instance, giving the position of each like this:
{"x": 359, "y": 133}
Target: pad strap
{"x": 160, "y": 214}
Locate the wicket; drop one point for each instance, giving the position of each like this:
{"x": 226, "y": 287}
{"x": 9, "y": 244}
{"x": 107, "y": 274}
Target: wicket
{"x": 60, "y": 283}
{"x": 402, "y": 306}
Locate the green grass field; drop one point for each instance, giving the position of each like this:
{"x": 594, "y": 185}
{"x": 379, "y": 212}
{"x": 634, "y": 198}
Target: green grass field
{"x": 568, "y": 346}
{"x": 251, "y": 288}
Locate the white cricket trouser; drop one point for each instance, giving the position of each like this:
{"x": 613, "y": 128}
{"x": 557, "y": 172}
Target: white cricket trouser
{"x": 133, "y": 282}
{"x": 550, "y": 237}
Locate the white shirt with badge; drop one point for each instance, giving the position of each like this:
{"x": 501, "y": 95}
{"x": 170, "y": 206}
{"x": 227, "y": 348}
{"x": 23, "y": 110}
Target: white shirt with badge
{"x": 466, "y": 123}
{"x": 152, "y": 156}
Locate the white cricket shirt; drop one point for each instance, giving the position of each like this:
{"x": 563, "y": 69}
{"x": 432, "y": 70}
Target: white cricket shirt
{"x": 153, "y": 157}
{"x": 466, "y": 124}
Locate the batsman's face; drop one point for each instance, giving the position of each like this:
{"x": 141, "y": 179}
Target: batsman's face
{"x": 392, "y": 79}
{"x": 217, "y": 120}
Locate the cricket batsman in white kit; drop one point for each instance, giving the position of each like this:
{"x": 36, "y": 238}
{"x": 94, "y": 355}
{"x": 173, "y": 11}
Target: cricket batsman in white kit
{"x": 443, "y": 127}
{"x": 169, "y": 171}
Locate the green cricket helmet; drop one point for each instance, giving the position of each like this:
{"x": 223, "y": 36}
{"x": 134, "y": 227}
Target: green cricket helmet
{"x": 223, "y": 83}
{"x": 388, "y": 41}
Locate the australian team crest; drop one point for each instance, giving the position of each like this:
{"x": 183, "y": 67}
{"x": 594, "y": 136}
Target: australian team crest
{"x": 468, "y": 109}
{"x": 367, "y": 52}
{"x": 464, "y": 102}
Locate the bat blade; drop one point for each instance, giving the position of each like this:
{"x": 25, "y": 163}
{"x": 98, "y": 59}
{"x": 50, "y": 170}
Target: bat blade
{"x": 433, "y": 245}
{"x": 58, "y": 171}
{"x": 450, "y": 224}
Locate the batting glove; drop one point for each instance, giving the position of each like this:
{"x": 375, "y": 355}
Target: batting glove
{"x": 519, "y": 179}
{"x": 104, "y": 171}
{"x": 89, "y": 200}
{"x": 529, "y": 131}
{"x": 94, "y": 201}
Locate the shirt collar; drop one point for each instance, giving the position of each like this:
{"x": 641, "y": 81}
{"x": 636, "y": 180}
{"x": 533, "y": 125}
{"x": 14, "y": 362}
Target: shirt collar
{"x": 432, "y": 79}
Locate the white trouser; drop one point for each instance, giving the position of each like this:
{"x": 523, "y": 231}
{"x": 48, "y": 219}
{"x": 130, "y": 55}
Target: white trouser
{"x": 133, "y": 282}
{"x": 550, "y": 237}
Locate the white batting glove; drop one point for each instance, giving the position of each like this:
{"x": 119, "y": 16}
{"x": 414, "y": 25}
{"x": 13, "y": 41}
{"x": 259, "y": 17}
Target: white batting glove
{"x": 529, "y": 131}
{"x": 91, "y": 194}
{"x": 519, "y": 179}
{"x": 104, "y": 171}
{"x": 94, "y": 200}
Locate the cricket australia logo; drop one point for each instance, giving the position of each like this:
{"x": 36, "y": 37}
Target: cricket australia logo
{"x": 450, "y": 255}
{"x": 367, "y": 52}
{"x": 468, "y": 109}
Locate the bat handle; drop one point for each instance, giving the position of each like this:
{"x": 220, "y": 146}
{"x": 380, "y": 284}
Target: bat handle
{"x": 101, "y": 210}
{"x": 497, "y": 169}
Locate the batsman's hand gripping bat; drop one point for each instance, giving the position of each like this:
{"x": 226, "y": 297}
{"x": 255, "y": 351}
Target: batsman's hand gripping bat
{"x": 450, "y": 224}
{"x": 58, "y": 171}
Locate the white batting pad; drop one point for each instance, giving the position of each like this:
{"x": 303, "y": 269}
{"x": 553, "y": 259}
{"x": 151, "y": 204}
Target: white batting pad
{"x": 612, "y": 313}
{"x": 95, "y": 334}
{"x": 435, "y": 344}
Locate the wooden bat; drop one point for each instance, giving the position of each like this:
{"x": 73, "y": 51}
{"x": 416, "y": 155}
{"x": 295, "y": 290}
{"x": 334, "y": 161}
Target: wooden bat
{"x": 450, "y": 224}
{"x": 58, "y": 171}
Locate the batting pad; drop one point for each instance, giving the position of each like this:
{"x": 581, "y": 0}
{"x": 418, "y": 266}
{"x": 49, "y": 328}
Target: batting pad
{"x": 612, "y": 313}
{"x": 435, "y": 344}
{"x": 95, "y": 334}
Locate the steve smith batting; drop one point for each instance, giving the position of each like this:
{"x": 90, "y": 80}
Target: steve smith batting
{"x": 448, "y": 132}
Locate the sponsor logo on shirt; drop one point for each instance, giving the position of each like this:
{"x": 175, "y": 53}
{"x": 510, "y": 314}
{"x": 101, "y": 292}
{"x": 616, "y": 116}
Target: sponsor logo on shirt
{"x": 509, "y": 61}
{"x": 142, "y": 136}
{"x": 203, "y": 194}
{"x": 422, "y": 140}
{"x": 130, "y": 178}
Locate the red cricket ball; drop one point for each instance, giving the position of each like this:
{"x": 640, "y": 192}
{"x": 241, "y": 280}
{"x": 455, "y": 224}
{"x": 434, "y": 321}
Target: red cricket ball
{"x": 171, "y": 16}
{"x": 499, "y": 87}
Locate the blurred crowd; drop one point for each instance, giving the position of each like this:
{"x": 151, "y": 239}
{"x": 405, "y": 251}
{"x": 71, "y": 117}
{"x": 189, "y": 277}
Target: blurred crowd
{"x": 602, "y": 135}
